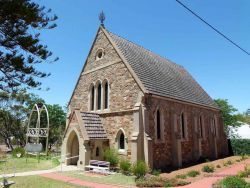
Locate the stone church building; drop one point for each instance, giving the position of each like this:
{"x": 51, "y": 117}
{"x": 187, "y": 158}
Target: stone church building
{"x": 143, "y": 105}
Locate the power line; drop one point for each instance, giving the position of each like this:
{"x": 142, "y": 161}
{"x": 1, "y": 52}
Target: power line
{"x": 216, "y": 30}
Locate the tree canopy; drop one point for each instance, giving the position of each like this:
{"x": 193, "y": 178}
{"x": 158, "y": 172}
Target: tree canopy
{"x": 229, "y": 114}
{"x": 15, "y": 110}
{"x": 21, "y": 22}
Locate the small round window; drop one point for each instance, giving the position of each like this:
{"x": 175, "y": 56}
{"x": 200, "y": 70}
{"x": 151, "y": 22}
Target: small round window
{"x": 99, "y": 54}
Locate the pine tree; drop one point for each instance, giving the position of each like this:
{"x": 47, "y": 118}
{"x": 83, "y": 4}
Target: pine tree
{"x": 21, "y": 22}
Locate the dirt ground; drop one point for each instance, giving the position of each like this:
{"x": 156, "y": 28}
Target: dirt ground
{"x": 215, "y": 164}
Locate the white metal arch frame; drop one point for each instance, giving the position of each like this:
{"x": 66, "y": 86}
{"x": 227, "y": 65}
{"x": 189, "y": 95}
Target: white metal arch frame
{"x": 38, "y": 132}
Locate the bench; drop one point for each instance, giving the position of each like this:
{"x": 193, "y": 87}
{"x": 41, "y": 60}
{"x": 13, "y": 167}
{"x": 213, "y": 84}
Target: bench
{"x": 98, "y": 166}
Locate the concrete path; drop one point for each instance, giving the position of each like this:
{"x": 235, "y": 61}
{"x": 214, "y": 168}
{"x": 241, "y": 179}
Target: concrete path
{"x": 38, "y": 172}
{"x": 207, "y": 182}
{"x": 67, "y": 179}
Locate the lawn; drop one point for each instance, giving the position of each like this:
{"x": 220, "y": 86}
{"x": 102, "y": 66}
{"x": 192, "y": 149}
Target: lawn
{"x": 115, "y": 179}
{"x": 20, "y": 165}
{"x": 39, "y": 182}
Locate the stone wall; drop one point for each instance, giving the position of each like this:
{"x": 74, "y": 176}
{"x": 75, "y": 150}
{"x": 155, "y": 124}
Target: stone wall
{"x": 124, "y": 92}
{"x": 115, "y": 122}
{"x": 110, "y": 55}
{"x": 162, "y": 151}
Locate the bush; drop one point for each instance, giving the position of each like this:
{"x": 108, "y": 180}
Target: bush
{"x": 156, "y": 181}
{"x": 175, "y": 183}
{"x": 18, "y": 152}
{"x": 56, "y": 162}
{"x": 207, "y": 160}
{"x": 111, "y": 156}
{"x": 243, "y": 157}
{"x": 240, "y": 146}
{"x": 193, "y": 173}
{"x": 218, "y": 166}
{"x": 152, "y": 181}
{"x": 208, "y": 168}
{"x": 227, "y": 163}
{"x": 125, "y": 166}
{"x": 233, "y": 182}
{"x": 156, "y": 172}
{"x": 245, "y": 173}
{"x": 140, "y": 169}
{"x": 181, "y": 176}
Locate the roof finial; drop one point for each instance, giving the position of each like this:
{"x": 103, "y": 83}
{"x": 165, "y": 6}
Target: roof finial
{"x": 102, "y": 18}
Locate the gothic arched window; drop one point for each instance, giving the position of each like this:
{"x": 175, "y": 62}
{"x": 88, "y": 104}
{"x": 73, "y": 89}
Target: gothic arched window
{"x": 122, "y": 141}
{"x": 92, "y": 97}
{"x": 200, "y": 127}
{"x": 213, "y": 126}
{"x": 183, "y": 126}
{"x": 106, "y": 95}
{"x": 99, "y": 96}
{"x": 158, "y": 125}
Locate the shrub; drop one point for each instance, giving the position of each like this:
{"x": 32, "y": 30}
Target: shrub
{"x": 111, "y": 156}
{"x": 139, "y": 169}
{"x": 18, "y": 152}
{"x": 55, "y": 161}
{"x": 152, "y": 181}
{"x": 233, "y": 182}
{"x": 125, "y": 166}
{"x": 175, "y": 183}
{"x": 218, "y": 166}
{"x": 243, "y": 157}
{"x": 240, "y": 146}
{"x": 229, "y": 162}
{"x": 156, "y": 181}
{"x": 156, "y": 172}
{"x": 181, "y": 183}
{"x": 193, "y": 173}
{"x": 245, "y": 173}
{"x": 181, "y": 176}
{"x": 208, "y": 168}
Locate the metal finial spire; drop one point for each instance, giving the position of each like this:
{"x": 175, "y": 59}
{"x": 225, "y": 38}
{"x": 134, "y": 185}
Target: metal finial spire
{"x": 102, "y": 18}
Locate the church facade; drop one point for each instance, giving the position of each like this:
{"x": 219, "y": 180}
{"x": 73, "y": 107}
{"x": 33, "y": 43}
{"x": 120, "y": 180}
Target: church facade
{"x": 142, "y": 105}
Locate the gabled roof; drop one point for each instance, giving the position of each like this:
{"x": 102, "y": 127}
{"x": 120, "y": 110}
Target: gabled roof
{"x": 93, "y": 125}
{"x": 160, "y": 76}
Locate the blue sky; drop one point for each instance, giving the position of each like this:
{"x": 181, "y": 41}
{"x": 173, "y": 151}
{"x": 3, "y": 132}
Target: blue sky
{"x": 162, "y": 26}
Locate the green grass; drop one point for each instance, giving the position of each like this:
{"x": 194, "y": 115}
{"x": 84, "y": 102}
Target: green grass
{"x": 118, "y": 179}
{"x": 21, "y": 166}
{"x": 39, "y": 182}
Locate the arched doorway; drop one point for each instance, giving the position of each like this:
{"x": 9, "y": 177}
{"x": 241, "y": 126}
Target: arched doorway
{"x": 73, "y": 148}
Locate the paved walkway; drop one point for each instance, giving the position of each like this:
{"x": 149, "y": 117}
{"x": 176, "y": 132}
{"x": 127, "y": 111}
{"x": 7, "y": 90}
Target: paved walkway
{"x": 207, "y": 182}
{"x": 67, "y": 179}
{"x": 64, "y": 168}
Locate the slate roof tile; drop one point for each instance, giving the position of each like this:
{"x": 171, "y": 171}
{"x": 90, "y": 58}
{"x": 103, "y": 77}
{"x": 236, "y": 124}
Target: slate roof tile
{"x": 93, "y": 125}
{"x": 160, "y": 76}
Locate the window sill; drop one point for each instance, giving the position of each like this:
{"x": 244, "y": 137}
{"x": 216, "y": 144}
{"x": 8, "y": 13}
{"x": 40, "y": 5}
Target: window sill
{"x": 122, "y": 152}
